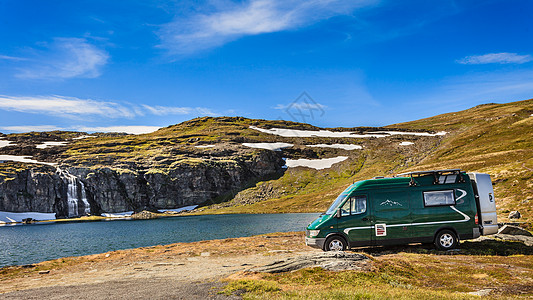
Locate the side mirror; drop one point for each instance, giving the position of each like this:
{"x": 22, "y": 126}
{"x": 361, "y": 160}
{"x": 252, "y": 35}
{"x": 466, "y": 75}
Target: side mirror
{"x": 338, "y": 214}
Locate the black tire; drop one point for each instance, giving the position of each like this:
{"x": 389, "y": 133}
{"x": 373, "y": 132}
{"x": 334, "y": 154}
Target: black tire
{"x": 335, "y": 243}
{"x": 446, "y": 240}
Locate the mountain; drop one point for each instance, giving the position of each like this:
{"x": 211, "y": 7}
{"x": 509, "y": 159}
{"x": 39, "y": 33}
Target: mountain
{"x": 222, "y": 164}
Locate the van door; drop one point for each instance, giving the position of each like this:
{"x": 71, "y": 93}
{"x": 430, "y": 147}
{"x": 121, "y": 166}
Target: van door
{"x": 485, "y": 202}
{"x": 391, "y": 217}
{"x": 355, "y": 220}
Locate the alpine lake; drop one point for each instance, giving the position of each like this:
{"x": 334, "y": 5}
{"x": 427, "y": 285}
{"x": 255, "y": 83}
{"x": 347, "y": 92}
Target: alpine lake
{"x": 28, "y": 244}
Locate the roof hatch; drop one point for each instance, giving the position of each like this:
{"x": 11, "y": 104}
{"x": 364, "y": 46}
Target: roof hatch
{"x": 439, "y": 176}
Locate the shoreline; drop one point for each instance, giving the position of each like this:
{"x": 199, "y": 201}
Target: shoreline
{"x": 130, "y": 217}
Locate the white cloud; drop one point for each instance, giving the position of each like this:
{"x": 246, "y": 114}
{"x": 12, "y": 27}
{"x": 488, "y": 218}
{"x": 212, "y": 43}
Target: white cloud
{"x": 132, "y": 129}
{"x": 65, "y": 106}
{"x": 496, "y": 58}
{"x": 172, "y": 110}
{"x": 165, "y": 110}
{"x": 69, "y": 107}
{"x": 6, "y": 57}
{"x": 126, "y": 129}
{"x": 66, "y": 58}
{"x": 29, "y": 128}
{"x": 208, "y": 30}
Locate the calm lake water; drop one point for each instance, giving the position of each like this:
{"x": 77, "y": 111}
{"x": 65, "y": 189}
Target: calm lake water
{"x": 27, "y": 244}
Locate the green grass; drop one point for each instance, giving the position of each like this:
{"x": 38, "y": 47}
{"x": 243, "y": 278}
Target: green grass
{"x": 407, "y": 272}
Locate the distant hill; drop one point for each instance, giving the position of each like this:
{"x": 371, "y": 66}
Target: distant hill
{"x": 492, "y": 138}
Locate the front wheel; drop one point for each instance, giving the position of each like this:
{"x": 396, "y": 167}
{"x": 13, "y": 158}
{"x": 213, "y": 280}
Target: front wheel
{"x": 335, "y": 243}
{"x": 446, "y": 240}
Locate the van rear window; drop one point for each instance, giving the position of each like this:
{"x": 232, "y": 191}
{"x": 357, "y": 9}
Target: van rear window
{"x": 438, "y": 198}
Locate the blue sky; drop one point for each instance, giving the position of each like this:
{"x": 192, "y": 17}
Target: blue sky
{"x": 140, "y": 64}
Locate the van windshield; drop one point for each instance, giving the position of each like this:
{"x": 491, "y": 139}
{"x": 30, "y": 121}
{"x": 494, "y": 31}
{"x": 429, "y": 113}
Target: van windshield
{"x": 331, "y": 210}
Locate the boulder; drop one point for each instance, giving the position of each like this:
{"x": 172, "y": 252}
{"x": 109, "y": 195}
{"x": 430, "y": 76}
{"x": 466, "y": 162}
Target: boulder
{"x": 514, "y": 230}
{"x": 515, "y": 214}
{"x": 144, "y": 215}
{"x": 332, "y": 261}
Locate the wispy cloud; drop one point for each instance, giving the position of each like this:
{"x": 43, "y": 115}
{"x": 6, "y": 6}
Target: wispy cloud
{"x": 202, "y": 31}
{"x": 65, "y": 58}
{"x": 65, "y": 106}
{"x": 12, "y": 58}
{"x": 131, "y": 129}
{"x": 165, "y": 110}
{"x": 70, "y": 107}
{"x": 172, "y": 110}
{"x": 28, "y": 128}
{"x": 496, "y": 58}
{"x": 125, "y": 129}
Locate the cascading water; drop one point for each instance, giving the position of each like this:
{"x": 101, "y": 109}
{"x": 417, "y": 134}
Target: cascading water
{"x": 73, "y": 195}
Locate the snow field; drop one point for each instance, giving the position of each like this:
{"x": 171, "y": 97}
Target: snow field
{"x": 317, "y": 164}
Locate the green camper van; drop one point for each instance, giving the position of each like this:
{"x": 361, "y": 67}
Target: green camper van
{"x": 440, "y": 207}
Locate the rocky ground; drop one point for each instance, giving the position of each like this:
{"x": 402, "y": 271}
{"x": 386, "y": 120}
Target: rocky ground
{"x": 177, "y": 271}
{"x": 201, "y": 270}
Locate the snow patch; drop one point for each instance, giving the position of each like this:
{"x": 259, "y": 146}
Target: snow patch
{"x": 118, "y": 215}
{"x": 411, "y": 133}
{"x": 406, "y": 143}
{"x": 6, "y": 143}
{"x": 338, "y": 146}
{"x": 24, "y": 159}
{"x": 11, "y": 217}
{"x": 316, "y": 133}
{"x": 84, "y": 137}
{"x": 268, "y": 146}
{"x": 185, "y": 208}
{"x": 318, "y": 164}
{"x": 50, "y": 144}
{"x": 205, "y": 146}
{"x": 339, "y": 134}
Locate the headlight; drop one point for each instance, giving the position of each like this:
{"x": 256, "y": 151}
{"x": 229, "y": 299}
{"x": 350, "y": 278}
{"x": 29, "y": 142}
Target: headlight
{"x": 313, "y": 233}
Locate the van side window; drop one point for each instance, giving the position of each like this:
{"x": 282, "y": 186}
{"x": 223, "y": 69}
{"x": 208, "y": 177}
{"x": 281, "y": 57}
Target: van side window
{"x": 358, "y": 204}
{"x": 354, "y": 205}
{"x": 438, "y": 198}
{"x": 345, "y": 209}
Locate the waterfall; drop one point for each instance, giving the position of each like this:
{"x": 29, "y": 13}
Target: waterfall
{"x": 73, "y": 197}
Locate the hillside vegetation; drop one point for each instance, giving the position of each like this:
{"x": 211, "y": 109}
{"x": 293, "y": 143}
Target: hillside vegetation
{"x": 492, "y": 138}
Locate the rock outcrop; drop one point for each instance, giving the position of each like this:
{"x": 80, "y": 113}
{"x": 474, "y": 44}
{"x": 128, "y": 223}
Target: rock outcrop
{"x": 138, "y": 187}
{"x": 332, "y": 261}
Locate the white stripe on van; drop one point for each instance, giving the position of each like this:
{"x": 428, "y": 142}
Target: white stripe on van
{"x": 347, "y": 230}
{"x": 466, "y": 219}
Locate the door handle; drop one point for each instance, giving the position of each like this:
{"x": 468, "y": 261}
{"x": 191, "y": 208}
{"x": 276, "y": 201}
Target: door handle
{"x": 364, "y": 219}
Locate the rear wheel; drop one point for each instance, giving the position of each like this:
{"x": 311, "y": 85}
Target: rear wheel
{"x": 446, "y": 240}
{"x": 335, "y": 243}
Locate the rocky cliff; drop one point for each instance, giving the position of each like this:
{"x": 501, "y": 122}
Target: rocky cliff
{"x": 111, "y": 189}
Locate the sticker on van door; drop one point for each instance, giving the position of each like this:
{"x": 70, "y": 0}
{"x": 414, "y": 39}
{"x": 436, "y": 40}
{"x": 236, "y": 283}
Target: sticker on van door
{"x": 381, "y": 229}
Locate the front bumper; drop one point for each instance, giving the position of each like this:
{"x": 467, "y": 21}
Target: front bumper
{"x": 315, "y": 242}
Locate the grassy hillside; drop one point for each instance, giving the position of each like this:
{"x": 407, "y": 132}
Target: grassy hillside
{"x": 492, "y": 138}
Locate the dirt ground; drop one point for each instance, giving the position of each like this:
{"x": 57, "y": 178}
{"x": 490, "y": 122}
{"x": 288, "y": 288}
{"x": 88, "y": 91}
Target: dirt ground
{"x": 176, "y": 271}
{"x": 197, "y": 270}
